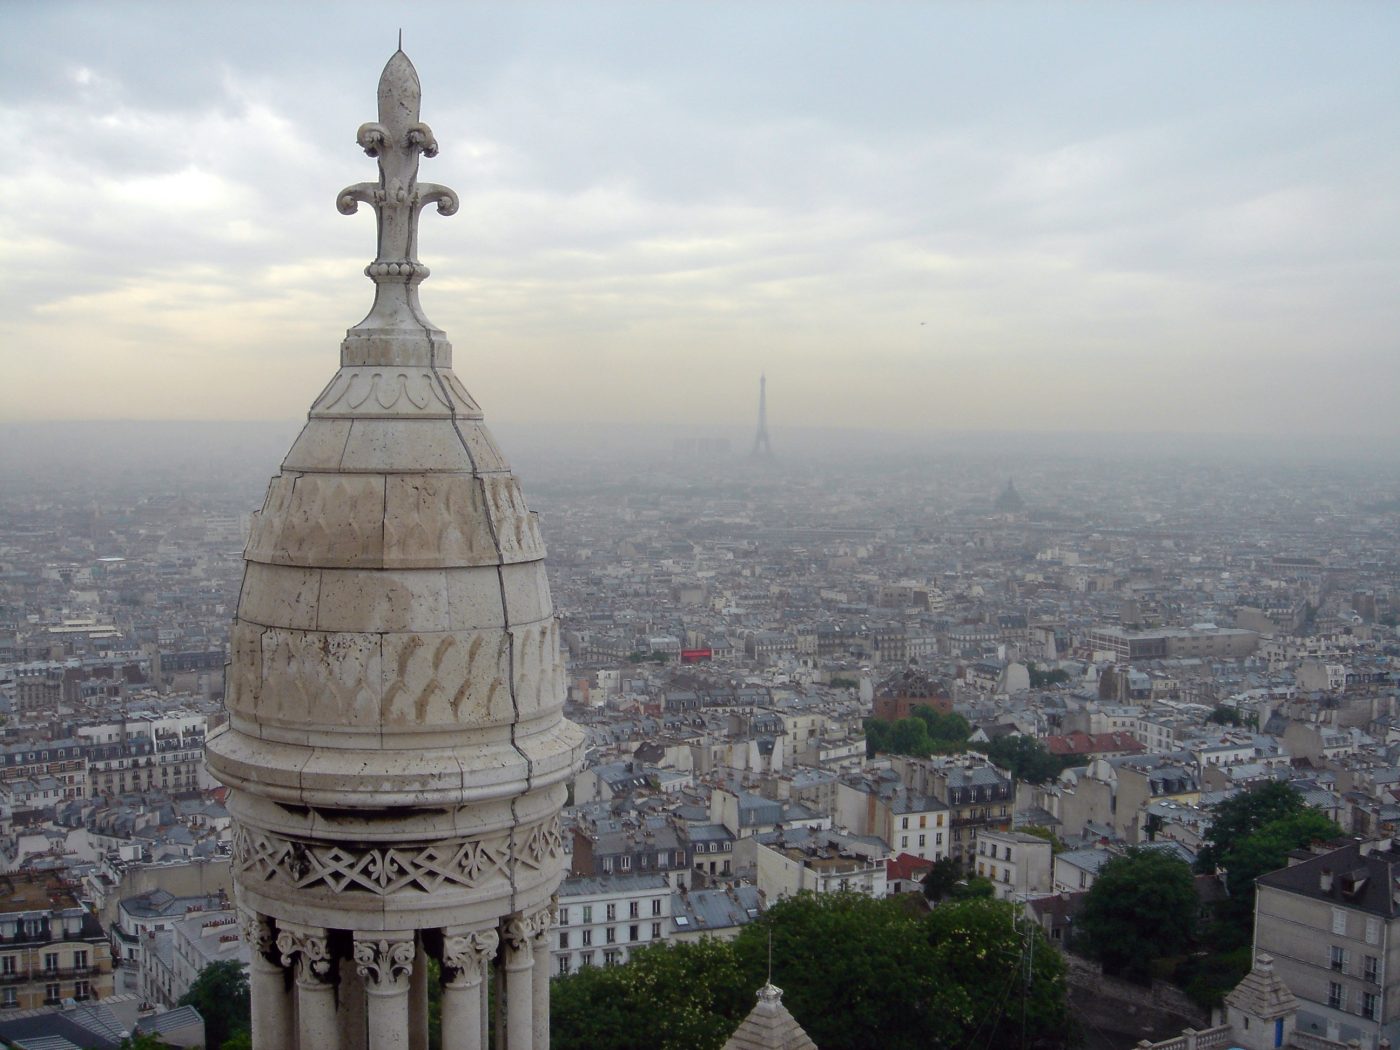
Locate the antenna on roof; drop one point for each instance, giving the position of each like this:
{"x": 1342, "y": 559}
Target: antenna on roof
{"x": 770, "y": 955}
{"x": 400, "y": 38}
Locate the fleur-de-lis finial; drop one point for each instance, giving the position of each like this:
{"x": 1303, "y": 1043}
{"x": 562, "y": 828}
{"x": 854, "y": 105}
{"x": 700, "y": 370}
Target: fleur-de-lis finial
{"x": 396, "y": 139}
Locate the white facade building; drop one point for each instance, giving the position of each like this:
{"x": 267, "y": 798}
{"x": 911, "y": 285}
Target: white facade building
{"x": 602, "y": 919}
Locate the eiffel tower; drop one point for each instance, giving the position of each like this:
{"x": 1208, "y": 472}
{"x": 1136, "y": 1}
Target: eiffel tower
{"x": 762, "y": 448}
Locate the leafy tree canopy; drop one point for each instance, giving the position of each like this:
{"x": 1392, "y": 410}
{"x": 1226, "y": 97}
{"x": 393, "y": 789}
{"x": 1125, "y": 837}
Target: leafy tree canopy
{"x": 1025, "y": 757}
{"x": 1142, "y": 906}
{"x": 220, "y": 994}
{"x": 1244, "y": 814}
{"x": 857, "y": 973}
{"x": 1252, "y": 855}
{"x": 926, "y": 732}
{"x": 942, "y": 877}
{"x": 691, "y": 996}
{"x": 1045, "y": 679}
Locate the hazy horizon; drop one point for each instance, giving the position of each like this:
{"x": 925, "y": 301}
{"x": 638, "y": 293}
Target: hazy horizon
{"x": 954, "y": 219}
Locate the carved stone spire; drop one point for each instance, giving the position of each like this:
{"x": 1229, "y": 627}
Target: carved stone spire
{"x": 396, "y": 139}
{"x": 396, "y": 751}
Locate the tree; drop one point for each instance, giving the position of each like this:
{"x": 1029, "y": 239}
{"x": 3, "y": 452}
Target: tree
{"x": 1244, "y": 814}
{"x": 1026, "y": 758}
{"x": 876, "y": 990}
{"x": 144, "y": 1041}
{"x": 1250, "y": 856}
{"x": 858, "y": 974}
{"x": 1224, "y": 716}
{"x": 220, "y": 994}
{"x": 1045, "y": 679}
{"x": 692, "y": 996}
{"x": 942, "y": 877}
{"x": 1141, "y": 907}
{"x": 946, "y": 731}
{"x": 974, "y": 887}
{"x": 981, "y": 955}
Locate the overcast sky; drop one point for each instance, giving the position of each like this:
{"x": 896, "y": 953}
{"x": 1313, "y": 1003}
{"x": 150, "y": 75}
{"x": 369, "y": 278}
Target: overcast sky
{"x": 1124, "y": 217}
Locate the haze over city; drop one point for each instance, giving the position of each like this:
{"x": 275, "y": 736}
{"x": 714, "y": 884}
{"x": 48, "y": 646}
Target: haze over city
{"x": 1175, "y": 220}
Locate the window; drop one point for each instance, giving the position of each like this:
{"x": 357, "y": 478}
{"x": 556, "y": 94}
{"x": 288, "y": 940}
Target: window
{"x": 923, "y": 820}
{"x": 612, "y": 912}
{"x": 612, "y": 934}
{"x": 563, "y": 916}
{"x": 922, "y": 840}
{"x": 726, "y": 846}
{"x": 610, "y": 958}
{"x": 52, "y": 993}
{"x": 656, "y": 931}
{"x": 7, "y": 964}
{"x": 626, "y": 862}
{"x": 564, "y": 965}
{"x": 10, "y": 999}
{"x": 1369, "y": 1002}
{"x": 656, "y": 906}
{"x": 563, "y": 940}
{"x": 1336, "y": 996}
{"x": 50, "y": 962}
{"x": 634, "y": 932}
{"x": 587, "y": 938}
{"x": 587, "y": 914}
{"x": 938, "y": 839}
{"x": 1339, "y": 959}
{"x": 80, "y": 959}
{"x": 1373, "y": 931}
{"x": 1371, "y": 968}
{"x": 634, "y": 909}
{"x": 607, "y": 865}
{"x": 586, "y": 959}
{"x": 904, "y": 842}
{"x": 904, "y": 824}
{"x": 1339, "y": 921}
{"x": 81, "y": 991}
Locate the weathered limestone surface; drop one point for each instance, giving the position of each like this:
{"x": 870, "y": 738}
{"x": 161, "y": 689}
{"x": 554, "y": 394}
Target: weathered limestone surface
{"x": 396, "y": 747}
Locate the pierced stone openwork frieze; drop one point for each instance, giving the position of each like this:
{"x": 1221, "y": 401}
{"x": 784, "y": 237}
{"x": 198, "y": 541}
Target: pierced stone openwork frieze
{"x": 384, "y": 870}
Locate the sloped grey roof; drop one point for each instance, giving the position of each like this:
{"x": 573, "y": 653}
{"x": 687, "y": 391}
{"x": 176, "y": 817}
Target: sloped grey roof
{"x": 769, "y": 1026}
{"x": 1261, "y": 994}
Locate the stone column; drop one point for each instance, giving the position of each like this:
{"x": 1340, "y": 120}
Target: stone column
{"x": 520, "y": 935}
{"x": 308, "y": 949}
{"x": 385, "y": 961}
{"x": 272, "y": 1005}
{"x": 539, "y": 980}
{"x": 466, "y": 959}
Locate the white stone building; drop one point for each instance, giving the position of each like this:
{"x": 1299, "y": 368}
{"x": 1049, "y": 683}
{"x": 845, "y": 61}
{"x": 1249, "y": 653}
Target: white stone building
{"x": 603, "y": 919}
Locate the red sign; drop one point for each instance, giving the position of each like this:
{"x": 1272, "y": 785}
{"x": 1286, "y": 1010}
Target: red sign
{"x": 694, "y": 656}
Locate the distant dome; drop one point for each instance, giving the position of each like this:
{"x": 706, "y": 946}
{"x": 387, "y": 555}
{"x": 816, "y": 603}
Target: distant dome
{"x": 1009, "y": 501}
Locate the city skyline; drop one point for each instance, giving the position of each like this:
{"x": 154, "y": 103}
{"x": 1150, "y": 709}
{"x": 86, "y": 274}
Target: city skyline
{"x": 944, "y": 217}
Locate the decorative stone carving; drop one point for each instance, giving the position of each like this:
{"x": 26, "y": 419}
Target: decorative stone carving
{"x": 388, "y": 870}
{"x": 543, "y": 845}
{"x": 465, "y": 956}
{"x": 520, "y": 931}
{"x": 385, "y": 962}
{"x": 308, "y": 949}
{"x": 259, "y": 932}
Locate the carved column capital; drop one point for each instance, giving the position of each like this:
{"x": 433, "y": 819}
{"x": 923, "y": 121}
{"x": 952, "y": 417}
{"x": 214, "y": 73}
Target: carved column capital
{"x": 466, "y": 955}
{"x": 386, "y": 963}
{"x": 259, "y": 933}
{"x": 308, "y": 948}
{"x": 520, "y": 930}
